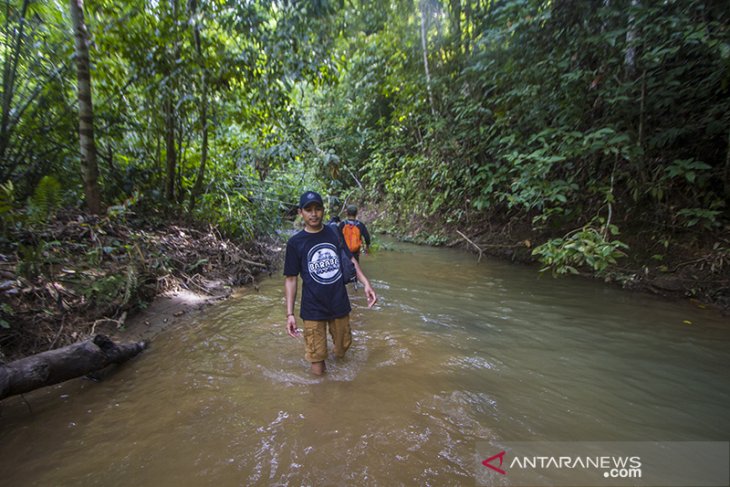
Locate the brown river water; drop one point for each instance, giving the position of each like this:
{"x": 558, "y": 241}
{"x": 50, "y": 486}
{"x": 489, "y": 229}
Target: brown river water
{"x": 454, "y": 353}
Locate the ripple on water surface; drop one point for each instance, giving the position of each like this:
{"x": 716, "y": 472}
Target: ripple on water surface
{"x": 455, "y": 353}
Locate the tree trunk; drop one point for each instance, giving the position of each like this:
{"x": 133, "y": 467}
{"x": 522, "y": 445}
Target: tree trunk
{"x": 727, "y": 168}
{"x": 455, "y": 7}
{"x": 10, "y": 68}
{"x": 630, "y": 54}
{"x": 424, "y": 48}
{"x": 62, "y": 364}
{"x": 468, "y": 31}
{"x": 89, "y": 168}
{"x": 170, "y": 149}
{"x": 198, "y": 186}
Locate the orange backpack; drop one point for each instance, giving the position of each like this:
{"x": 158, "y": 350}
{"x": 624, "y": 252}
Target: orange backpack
{"x": 352, "y": 235}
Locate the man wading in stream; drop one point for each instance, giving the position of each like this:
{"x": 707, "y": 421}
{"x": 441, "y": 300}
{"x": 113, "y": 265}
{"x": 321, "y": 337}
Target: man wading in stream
{"x": 314, "y": 253}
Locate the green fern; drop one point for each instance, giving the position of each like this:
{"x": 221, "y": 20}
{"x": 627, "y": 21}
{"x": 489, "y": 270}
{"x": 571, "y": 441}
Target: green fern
{"x": 31, "y": 260}
{"x": 45, "y": 201}
{"x": 7, "y": 202}
{"x": 130, "y": 285}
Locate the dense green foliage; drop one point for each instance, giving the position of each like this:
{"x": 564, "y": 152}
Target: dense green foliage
{"x": 579, "y": 118}
{"x": 154, "y": 66}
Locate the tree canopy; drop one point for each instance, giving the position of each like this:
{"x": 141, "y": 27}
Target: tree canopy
{"x": 579, "y": 118}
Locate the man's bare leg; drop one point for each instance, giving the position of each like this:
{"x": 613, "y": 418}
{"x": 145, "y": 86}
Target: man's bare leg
{"x": 318, "y": 368}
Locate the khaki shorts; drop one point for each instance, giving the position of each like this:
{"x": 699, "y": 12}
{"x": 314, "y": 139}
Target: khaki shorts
{"x": 315, "y": 338}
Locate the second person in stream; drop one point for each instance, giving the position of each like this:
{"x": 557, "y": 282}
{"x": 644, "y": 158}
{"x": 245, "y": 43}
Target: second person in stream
{"x": 314, "y": 254}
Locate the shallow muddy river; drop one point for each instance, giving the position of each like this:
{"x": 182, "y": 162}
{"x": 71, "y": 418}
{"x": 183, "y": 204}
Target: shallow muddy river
{"x": 455, "y": 353}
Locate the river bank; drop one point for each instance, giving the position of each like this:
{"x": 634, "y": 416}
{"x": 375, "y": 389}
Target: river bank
{"x": 79, "y": 276}
{"x": 689, "y": 265}
{"x": 164, "y": 311}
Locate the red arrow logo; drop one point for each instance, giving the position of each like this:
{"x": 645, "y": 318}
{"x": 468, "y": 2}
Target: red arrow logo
{"x": 487, "y": 463}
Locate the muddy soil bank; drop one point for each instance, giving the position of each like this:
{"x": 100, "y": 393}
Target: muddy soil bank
{"x": 81, "y": 275}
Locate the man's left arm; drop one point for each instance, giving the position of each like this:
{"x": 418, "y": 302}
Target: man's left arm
{"x": 369, "y": 291}
{"x": 365, "y": 234}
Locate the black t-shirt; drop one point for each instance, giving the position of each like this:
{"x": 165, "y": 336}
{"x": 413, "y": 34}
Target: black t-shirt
{"x": 316, "y": 257}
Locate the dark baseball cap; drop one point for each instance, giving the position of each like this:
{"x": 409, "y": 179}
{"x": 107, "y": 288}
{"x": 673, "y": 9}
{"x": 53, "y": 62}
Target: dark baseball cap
{"x": 310, "y": 197}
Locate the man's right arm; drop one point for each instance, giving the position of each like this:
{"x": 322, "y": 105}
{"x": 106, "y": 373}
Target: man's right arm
{"x": 290, "y": 294}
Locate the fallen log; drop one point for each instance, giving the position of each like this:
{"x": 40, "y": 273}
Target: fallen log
{"x": 62, "y": 364}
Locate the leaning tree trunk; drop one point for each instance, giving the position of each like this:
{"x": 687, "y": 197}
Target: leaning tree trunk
{"x": 89, "y": 168}
{"x": 62, "y": 364}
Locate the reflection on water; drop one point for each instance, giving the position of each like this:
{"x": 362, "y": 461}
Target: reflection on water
{"x": 455, "y": 353}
